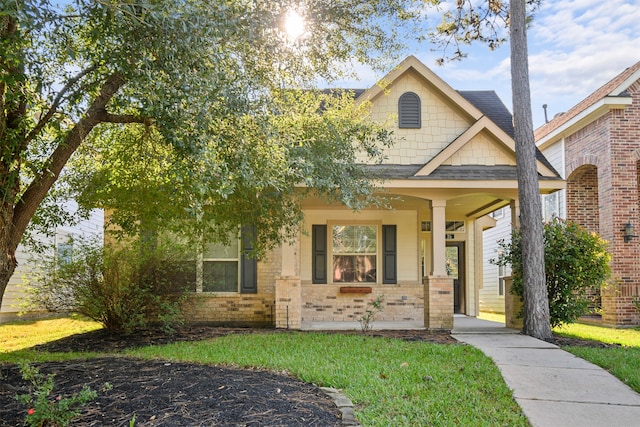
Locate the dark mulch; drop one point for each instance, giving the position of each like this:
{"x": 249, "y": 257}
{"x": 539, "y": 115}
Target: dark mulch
{"x": 161, "y": 393}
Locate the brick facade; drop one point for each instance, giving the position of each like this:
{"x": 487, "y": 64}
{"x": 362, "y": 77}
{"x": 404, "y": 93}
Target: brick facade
{"x": 325, "y": 303}
{"x": 604, "y": 154}
{"x": 240, "y": 309}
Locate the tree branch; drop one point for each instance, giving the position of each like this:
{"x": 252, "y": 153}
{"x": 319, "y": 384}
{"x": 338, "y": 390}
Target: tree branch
{"x": 56, "y": 103}
{"x": 127, "y": 118}
{"x": 39, "y": 187}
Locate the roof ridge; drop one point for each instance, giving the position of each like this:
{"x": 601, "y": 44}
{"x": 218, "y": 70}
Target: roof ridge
{"x": 600, "y": 93}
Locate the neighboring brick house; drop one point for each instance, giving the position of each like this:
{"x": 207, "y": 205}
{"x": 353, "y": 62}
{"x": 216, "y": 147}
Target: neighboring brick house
{"x": 596, "y": 146}
{"x": 452, "y": 164}
{"x": 600, "y": 139}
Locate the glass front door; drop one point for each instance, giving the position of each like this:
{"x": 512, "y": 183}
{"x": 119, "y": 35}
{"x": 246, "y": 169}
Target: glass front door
{"x": 455, "y": 270}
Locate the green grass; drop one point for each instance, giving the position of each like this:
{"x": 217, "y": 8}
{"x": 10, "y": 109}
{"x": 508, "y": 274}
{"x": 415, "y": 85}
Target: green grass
{"x": 621, "y": 361}
{"x": 494, "y": 317}
{"x": 624, "y": 337}
{"x": 24, "y": 334}
{"x": 390, "y": 382}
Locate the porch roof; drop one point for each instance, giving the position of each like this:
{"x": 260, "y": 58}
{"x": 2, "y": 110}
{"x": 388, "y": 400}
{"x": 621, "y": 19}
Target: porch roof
{"x": 447, "y": 172}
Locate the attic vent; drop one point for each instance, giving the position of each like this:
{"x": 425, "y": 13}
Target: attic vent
{"x": 409, "y": 114}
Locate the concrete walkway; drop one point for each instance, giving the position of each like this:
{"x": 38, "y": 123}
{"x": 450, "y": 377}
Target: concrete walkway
{"x": 553, "y": 387}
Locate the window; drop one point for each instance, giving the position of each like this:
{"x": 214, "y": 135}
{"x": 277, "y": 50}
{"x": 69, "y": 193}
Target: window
{"x": 497, "y": 214}
{"x": 501, "y": 275}
{"x": 550, "y": 206}
{"x": 455, "y": 226}
{"x": 221, "y": 268}
{"x": 353, "y": 255}
{"x": 354, "y": 252}
{"x": 409, "y": 111}
{"x": 64, "y": 252}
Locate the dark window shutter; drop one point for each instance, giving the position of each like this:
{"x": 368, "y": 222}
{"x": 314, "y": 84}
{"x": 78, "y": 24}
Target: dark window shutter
{"x": 319, "y": 261}
{"x": 409, "y": 111}
{"x": 248, "y": 265}
{"x": 389, "y": 255}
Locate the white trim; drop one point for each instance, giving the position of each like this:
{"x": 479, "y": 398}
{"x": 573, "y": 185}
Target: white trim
{"x": 585, "y": 117}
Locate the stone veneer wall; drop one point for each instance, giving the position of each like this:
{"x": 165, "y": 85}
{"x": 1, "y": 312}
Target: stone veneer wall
{"x": 325, "y": 303}
{"x": 239, "y": 309}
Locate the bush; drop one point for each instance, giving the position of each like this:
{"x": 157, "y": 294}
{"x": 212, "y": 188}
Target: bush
{"x": 123, "y": 288}
{"x": 576, "y": 265}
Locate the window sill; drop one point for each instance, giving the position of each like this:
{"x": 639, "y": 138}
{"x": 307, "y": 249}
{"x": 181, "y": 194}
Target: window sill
{"x": 355, "y": 290}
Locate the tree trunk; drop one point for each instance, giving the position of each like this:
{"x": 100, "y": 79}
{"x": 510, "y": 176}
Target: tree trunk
{"x": 15, "y": 219}
{"x": 537, "y": 321}
{"x": 7, "y": 252}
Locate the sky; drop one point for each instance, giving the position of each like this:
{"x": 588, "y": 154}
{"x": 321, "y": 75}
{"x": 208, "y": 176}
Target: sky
{"x": 575, "y": 46}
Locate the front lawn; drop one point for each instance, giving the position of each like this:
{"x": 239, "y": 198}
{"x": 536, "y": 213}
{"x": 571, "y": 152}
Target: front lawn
{"x": 622, "y": 359}
{"x": 390, "y": 381}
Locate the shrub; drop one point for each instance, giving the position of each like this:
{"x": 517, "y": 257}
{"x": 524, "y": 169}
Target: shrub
{"x": 576, "y": 265}
{"x": 123, "y": 288}
{"x": 43, "y": 408}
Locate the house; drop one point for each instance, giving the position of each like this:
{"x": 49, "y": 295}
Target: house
{"x": 596, "y": 146}
{"x": 453, "y": 163}
{"x": 14, "y": 297}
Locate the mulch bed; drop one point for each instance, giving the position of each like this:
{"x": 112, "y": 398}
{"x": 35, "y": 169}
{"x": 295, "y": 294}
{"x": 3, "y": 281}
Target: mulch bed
{"x": 161, "y": 393}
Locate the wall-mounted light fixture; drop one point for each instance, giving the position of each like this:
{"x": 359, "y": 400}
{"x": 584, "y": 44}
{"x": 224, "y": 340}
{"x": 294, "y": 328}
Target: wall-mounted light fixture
{"x": 628, "y": 232}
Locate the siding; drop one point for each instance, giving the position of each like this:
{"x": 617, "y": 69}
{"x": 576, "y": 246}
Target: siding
{"x": 13, "y": 296}
{"x": 489, "y": 299}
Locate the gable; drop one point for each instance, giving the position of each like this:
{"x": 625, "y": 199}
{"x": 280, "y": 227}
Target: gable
{"x": 466, "y": 128}
{"x": 440, "y": 120}
{"x": 484, "y": 150}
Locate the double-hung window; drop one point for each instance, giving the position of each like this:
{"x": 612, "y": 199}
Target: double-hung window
{"x": 354, "y": 253}
{"x": 221, "y": 268}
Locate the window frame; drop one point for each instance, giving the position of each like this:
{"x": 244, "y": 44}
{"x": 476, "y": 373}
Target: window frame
{"x": 246, "y": 269}
{"x": 200, "y": 268}
{"x": 331, "y": 254}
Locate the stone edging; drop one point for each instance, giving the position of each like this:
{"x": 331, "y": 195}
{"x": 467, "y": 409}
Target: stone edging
{"x": 344, "y": 404}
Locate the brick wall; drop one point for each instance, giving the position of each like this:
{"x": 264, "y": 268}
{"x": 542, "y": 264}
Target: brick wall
{"x": 438, "y": 310}
{"x": 239, "y": 309}
{"x": 611, "y": 144}
{"x": 582, "y": 198}
{"x": 323, "y": 303}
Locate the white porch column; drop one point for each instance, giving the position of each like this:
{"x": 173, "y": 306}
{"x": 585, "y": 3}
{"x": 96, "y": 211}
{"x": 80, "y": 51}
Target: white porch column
{"x": 515, "y": 213}
{"x": 438, "y": 240}
{"x": 438, "y": 287}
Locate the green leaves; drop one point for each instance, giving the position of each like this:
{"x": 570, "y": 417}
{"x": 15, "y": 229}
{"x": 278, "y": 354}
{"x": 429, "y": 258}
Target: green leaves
{"x": 576, "y": 267}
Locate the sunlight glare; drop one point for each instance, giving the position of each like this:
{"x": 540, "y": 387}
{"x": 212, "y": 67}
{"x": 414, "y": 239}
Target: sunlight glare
{"x": 294, "y": 25}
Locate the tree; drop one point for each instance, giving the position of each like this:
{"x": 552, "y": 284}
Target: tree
{"x": 576, "y": 264}
{"x": 486, "y": 22}
{"x": 199, "y": 76}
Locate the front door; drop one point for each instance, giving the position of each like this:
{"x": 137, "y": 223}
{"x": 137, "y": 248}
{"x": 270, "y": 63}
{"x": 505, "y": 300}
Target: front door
{"x": 455, "y": 269}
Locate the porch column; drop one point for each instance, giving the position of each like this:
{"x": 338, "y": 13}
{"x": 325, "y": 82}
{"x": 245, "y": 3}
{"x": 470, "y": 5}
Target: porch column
{"x": 438, "y": 292}
{"x": 438, "y": 240}
{"x": 512, "y": 303}
{"x": 288, "y": 292}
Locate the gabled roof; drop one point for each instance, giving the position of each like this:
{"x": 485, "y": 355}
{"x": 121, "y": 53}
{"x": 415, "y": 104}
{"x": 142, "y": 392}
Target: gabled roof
{"x": 604, "y": 96}
{"x": 487, "y": 115}
{"x": 488, "y": 102}
{"x": 412, "y": 64}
